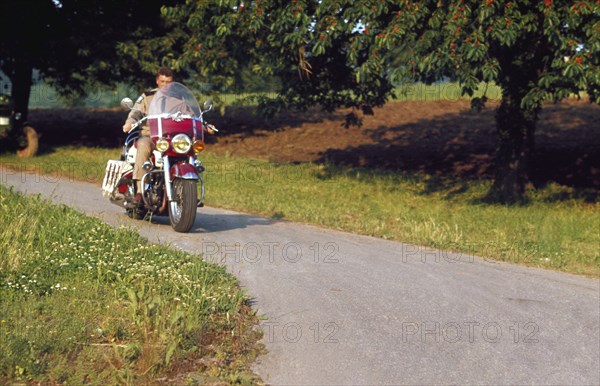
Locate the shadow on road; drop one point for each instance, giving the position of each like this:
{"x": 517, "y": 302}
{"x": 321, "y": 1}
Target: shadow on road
{"x": 211, "y": 222}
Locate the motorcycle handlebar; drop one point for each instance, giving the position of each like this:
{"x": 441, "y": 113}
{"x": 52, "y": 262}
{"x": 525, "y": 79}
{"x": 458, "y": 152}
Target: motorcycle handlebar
{"x": 137, "y": 124}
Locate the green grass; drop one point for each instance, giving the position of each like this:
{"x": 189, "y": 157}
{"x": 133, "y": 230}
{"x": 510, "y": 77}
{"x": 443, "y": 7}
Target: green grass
{"x": 81, "y": 302}
{"x": 558, "y": 228}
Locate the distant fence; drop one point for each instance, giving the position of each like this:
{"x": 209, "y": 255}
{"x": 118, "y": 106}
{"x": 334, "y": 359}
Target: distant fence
{"x": 443, "y": 91}
{"x": 45, "y": 96}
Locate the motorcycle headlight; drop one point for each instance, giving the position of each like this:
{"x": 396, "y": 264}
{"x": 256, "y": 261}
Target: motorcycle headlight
{"x": 181, "y": 143}
{"x": 162, "y": 145}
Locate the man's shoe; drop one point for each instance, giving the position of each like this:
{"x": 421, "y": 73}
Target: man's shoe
{"x": 138, "y": 199}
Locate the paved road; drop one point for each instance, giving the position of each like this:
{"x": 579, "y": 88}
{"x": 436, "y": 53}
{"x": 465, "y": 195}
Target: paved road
{"x": 352, "y": 310}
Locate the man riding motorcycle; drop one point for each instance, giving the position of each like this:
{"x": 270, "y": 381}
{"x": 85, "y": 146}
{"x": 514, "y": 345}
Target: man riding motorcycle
{"x": 145, "y": 146}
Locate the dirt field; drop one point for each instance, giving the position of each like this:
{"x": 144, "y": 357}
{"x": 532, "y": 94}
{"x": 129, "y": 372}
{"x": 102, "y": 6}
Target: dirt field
{"x": 440, "y": 138}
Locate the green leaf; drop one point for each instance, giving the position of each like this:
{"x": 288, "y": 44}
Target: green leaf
{"x": 222, "y": 30}
{"x": 170, "y": 351}
{"x": 132, "y": 297}
{"x": 318, "y": 48}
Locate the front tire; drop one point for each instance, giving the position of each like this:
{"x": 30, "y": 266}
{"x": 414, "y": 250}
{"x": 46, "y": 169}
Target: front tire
{"x": 182, "y": 210}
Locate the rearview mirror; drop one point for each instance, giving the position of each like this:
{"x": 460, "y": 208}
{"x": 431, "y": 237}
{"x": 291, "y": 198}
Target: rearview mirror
{"x": 127, "y": 103}
{"x": 208, "y": 105}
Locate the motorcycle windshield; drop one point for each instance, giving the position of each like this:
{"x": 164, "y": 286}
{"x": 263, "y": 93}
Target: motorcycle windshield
{"x": 174, "y": 98}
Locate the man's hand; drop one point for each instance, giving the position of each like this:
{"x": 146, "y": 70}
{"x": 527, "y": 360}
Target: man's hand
{"x": 127, "y": 127}
{"x": 211, "y": 129}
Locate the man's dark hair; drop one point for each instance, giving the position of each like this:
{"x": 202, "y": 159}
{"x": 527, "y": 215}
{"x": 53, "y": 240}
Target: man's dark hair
{"x": 165, "y": 71}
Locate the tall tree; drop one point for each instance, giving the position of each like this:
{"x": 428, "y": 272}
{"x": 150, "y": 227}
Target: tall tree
{"x": 339, "y": 53}
{"x": 313, "y": 47}
{"x": 534, "y": 50}
{"x": 73, "y": 43}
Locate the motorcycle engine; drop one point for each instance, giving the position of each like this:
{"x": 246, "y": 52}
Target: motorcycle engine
{"x": 156, "y": 191}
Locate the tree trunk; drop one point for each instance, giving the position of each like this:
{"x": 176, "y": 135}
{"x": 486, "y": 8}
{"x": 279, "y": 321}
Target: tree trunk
{"x": 21, "y": 89}
{"x": 23, "y": 136}
{"x": 515, "y": 131}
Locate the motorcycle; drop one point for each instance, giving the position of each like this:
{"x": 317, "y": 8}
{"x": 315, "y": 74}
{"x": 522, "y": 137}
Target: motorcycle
{"x": 173, "y": 172}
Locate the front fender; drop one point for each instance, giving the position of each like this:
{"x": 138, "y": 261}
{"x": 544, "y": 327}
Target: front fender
{"x": 184, "y": 171}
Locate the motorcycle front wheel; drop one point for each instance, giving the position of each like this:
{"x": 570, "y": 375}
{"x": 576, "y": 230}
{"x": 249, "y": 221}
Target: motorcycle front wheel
{"x": 182, "y": 210}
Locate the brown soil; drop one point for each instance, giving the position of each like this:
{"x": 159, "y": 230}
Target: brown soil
{"x": 442, "y": 138}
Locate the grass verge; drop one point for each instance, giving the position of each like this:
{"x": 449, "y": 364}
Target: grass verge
{"x": 557, "y": 229}
{"x": 83, "y": 303}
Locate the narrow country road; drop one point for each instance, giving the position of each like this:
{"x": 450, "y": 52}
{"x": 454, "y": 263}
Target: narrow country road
{"x": 353, "y": 310}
